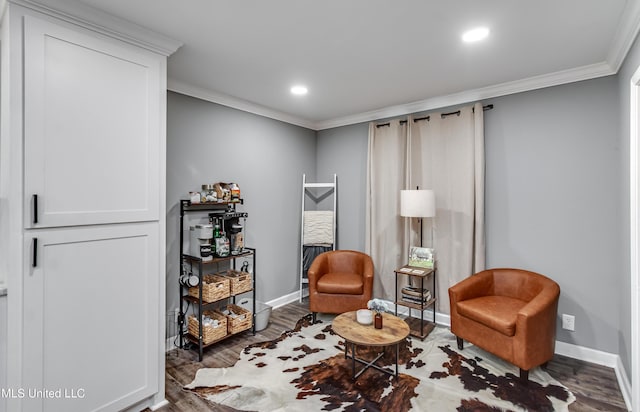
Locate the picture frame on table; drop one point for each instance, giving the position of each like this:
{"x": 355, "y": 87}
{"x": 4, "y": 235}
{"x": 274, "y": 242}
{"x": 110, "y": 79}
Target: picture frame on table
{"x": 422, "y": 257}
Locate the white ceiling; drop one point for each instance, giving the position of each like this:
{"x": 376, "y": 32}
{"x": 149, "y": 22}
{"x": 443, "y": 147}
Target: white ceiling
{"x": 368, "y": 59}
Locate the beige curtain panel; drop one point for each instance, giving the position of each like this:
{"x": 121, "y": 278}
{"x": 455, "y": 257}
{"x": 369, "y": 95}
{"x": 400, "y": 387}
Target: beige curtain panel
{"x": 387, "y": 173}
{"x": 445, "y": 154}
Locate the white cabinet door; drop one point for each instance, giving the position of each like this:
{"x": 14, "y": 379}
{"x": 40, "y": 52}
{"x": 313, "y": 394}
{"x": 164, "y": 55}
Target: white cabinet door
{"x": 91, "y": 317}
{"x": 92, "y": 119}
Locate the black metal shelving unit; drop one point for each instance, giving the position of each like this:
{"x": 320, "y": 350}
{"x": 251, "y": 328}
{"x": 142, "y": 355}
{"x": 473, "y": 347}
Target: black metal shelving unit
{"x": 222, "y": 211}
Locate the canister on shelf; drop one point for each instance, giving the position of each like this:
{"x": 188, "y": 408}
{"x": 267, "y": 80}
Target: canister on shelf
{"x": 209, "y": 194}
{"x": 235, "y": 192}
{"x": 237, "y": 238}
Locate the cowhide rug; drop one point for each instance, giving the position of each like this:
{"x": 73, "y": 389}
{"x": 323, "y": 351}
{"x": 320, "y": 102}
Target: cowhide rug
{"x": 305, "y": 370}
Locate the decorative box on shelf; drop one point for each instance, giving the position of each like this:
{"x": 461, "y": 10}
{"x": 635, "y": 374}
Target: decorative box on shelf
{"x": 239, "y": 282}
{"x": 210, "y": 332}
{"x": 214, "y": 288}
{"x": 238, "y": 318}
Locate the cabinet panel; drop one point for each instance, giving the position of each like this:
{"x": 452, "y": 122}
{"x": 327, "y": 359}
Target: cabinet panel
{"x": 91, "y": 126}
{"x": 91, "y": 317}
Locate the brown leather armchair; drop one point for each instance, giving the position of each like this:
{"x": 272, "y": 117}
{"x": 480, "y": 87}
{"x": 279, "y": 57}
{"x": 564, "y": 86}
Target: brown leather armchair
{"x": 508, "y": 312}
{"x": 340, "y": 281}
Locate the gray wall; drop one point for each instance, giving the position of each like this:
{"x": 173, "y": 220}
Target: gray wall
{"x": 343, "y": 151}
{"x": 209, "y": 143}
{"x": 553, "y": 196}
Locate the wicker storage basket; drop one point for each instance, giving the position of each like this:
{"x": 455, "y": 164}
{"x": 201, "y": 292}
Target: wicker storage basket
{"x": 242, "y": 321}
{"x": 240, "y": 282}
{"x": 214, "y": 288}
{"x": 209, "y": 333}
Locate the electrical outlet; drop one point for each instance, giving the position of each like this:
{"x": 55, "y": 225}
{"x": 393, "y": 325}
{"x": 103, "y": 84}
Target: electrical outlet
{"x": 568, "y": 322}
{"x": 176, "y": 315}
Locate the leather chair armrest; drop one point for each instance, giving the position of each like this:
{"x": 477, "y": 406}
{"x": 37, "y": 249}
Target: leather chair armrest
{"x": 319, "y": 267}
{"x": 541, "y": 310}
{"x": 536, "y": 323}
{"x": 367, "y": 276}
{"x": 472, "y": 287}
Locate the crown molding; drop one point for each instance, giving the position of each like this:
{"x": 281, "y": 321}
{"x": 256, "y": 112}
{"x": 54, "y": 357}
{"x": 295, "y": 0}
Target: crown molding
{"x": 236, "y": 103}
{"x": 625, "y": 35}
{"x": 98, "y": 21}
{"x": 503, "y": 89}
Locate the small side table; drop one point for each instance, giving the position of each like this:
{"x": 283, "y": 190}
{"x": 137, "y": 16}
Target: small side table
{"x": 416, "y": 299}
{"x": 394, "y": 330}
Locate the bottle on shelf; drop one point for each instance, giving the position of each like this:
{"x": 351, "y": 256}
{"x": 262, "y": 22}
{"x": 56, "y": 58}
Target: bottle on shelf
{"x": 216, "y": 235}
{"x": 222, "y": 242}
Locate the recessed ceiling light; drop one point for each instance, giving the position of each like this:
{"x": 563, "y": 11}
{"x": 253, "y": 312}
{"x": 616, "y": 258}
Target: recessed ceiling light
{"x": 299, "y": 90}
{"x": 476, "y": 34}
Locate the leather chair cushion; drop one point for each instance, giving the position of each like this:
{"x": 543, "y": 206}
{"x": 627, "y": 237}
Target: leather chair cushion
{"x": 495, "y": 312}
{"x": 341, "y": 283}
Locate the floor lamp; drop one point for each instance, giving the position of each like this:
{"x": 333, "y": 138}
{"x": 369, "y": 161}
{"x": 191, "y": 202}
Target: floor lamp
{"x": 420, "y": 204}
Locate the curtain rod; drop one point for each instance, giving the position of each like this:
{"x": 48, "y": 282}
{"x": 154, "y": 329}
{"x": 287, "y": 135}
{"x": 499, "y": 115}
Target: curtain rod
{"x": 443, "y": 115}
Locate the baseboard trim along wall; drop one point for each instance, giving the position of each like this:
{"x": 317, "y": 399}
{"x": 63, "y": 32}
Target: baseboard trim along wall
{"x": 597, "y": 357}
{"x": 159, "y": 405}
{"x": 290, "y": 298}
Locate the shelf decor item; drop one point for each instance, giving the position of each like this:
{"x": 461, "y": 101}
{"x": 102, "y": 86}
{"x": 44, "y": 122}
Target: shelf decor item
{"x": 378, "y": 306}
{"x": 422, "y": 257}
{"x": 214, "y": 288}
{"x": 364, "y": 316}
{"x": 378, "y": 320}
{"x": 212, "y": 331}
{"x": 240, "y": 282}
{"x": 238, "y": 318}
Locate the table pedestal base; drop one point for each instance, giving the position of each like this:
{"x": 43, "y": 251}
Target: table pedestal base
{"x": 368, "y": 364}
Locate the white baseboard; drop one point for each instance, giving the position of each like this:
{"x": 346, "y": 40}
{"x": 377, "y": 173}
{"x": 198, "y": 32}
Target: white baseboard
{"x": 283, "y": 300}
{"x": 586, "y": 354}
{"x": 147, "y": 403}
{"x": 597, "y": 357}
{"x": 625, "y": 385}
{"x": 159, "y": 405}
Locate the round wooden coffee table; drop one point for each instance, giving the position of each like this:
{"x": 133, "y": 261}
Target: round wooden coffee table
{"x": 394, "y": 330}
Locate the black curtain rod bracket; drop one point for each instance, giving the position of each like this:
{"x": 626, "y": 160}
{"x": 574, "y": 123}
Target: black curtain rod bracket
{"x": 389, "y": 124}
{"x": 443, "y": 115}
{"x": 457, "y": 113}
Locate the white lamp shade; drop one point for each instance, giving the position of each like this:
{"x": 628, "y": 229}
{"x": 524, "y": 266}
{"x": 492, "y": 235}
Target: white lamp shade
{"x": 417, "y": 203}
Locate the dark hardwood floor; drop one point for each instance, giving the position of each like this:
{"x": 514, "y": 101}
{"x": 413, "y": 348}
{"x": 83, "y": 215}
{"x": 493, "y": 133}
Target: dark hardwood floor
{"x": 595, "y": 387}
